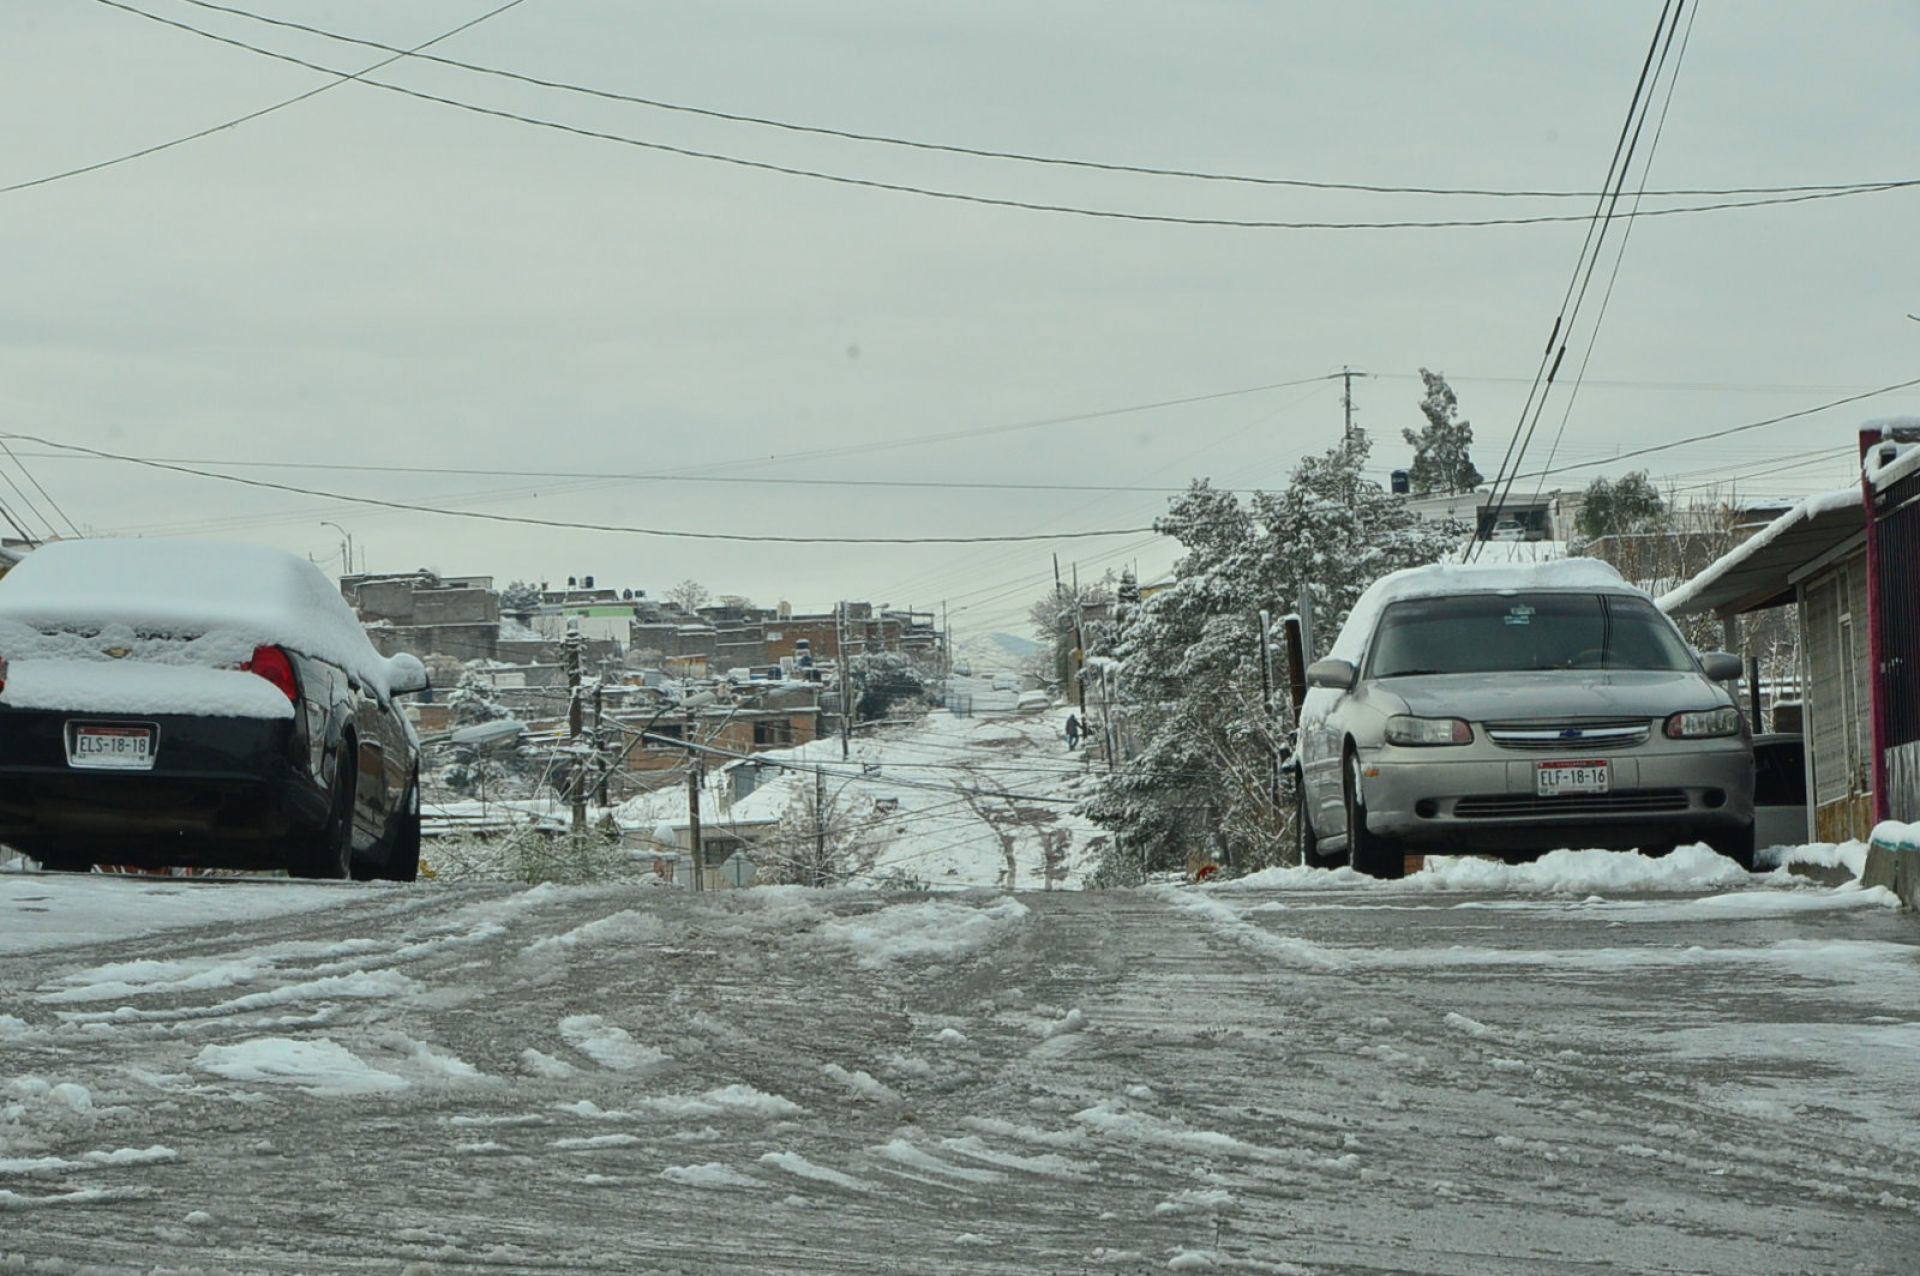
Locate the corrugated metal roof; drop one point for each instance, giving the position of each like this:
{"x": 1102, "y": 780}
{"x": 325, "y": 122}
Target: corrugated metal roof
{"x": 1757, "y": 574}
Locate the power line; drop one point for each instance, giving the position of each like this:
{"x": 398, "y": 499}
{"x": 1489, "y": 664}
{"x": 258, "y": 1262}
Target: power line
{"x": 1721, "y": 434}
{"x": 976, "y": 152}
{"x": 963, "y": 197}
{"x": 1598, "y": 223}
{"x": 957, "y": 485}
{"x": 1620, "y": 256}
{"x": 528, "y": 521}
{"x": 342, "y": 77}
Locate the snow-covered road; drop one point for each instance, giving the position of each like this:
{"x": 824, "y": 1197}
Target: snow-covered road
{"x": 1322, "y": 1075}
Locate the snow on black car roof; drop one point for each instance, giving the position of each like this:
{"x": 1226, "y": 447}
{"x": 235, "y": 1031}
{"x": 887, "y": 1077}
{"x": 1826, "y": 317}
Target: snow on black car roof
{"x": 252, "y": 594}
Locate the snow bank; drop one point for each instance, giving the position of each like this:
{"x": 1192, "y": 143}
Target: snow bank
{"x": 1585, "y": 872}
{"x": 1851, "y": 856}
{"x": 1689, "y": 868}
{"x": 242, "y": 595}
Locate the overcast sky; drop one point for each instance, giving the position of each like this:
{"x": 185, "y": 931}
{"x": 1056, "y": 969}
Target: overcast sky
{"x": 365, "y": 278}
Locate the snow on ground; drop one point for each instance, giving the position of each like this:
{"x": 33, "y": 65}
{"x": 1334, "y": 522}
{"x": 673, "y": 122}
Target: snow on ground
{"x": 55, "y": 909}
{"x": 1491, "y": 1071}
{"x": 954, "y": 802}
{"x": 1572, "y": 872}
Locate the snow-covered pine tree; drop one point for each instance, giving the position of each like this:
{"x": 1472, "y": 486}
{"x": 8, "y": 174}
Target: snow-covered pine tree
{"x": 1200, "y": 776}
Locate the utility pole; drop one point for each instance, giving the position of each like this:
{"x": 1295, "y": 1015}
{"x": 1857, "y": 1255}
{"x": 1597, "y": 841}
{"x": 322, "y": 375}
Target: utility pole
{"x": 599, "y": 742}
{"x": 693, "y": 809}
{"x": 844, "y": 669}
{"x": 579, "y": 786}
{"x": 819, "y": 827}
{"x": 1079, "y": 647}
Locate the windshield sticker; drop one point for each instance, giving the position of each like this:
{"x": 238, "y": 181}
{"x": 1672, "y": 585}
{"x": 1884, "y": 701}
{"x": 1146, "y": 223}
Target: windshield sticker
{"x": 1520, "y": 615}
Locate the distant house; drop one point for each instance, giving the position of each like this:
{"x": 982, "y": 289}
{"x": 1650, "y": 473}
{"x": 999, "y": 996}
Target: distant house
{"x": 1845, "y": 560}
{"x": 427, "y": 614}
{"x": 1546, "y": 517}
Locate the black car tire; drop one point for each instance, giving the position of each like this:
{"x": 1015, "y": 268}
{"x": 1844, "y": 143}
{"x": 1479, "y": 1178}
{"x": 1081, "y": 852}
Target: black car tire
{"x": 1736, "y": 845}
{"x": 400, "y": 861}
{"x": 329, "y": 855}
{"x": 1367, "y": 852}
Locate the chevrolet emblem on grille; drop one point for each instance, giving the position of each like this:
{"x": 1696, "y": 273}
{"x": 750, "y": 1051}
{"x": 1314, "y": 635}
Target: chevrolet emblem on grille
{"x": 119, "y": 653}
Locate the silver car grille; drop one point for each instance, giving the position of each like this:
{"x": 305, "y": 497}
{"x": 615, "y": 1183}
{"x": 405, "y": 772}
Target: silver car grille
{"x": 1560, "y": 737}
{"x": 1623, "y": 802}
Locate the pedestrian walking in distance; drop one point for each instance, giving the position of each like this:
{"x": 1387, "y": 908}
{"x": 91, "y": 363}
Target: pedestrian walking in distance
{"x": 1073, "y": 733}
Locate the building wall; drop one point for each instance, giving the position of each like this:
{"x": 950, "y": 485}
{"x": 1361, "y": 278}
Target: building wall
{"x": 1839, "y": 705}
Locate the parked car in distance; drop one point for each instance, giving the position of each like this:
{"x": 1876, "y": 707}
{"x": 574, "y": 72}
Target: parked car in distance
{"x": 174, "y": 703}
{"x": 1516, "y": 709}
{"x": 1779, "y": 790}
{"x": 1508, "y": 529}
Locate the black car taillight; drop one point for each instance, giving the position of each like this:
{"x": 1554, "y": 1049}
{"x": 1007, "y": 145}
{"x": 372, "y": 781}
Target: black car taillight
{"x": 276, "y": 666}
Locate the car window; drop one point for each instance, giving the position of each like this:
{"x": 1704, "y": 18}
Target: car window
{"x": 1499, "y": 633}
{"x": 1779, "y": 773}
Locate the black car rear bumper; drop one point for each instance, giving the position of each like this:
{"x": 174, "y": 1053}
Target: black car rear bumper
{"x": 222, "y": 792}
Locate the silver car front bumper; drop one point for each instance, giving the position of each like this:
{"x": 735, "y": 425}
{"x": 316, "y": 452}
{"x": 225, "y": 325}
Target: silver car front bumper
{"x": 1483, "y": 796}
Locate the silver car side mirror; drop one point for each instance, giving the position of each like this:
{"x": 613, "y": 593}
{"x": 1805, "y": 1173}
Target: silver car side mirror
{"x": 1337, "y": 675}
{"x": 1722, "y": 666}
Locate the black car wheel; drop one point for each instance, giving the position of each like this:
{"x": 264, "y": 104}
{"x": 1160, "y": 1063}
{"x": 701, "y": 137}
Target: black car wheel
{"x": 400, "y": 861}
{"x": 330, "y": 853}
{"x": 1367, "y": 853}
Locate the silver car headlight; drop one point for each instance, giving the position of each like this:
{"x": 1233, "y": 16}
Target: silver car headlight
{"x": 1701, "y": 724}
{"x": 1405, "y": 729}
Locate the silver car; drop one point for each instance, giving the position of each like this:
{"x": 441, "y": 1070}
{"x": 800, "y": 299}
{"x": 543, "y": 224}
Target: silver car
{"x": 1515, "y": 710}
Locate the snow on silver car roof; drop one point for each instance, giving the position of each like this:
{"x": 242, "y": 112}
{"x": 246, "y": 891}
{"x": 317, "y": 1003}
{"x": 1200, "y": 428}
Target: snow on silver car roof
{"x": 1468, "y": 578}
{"x": 264, "y": 596}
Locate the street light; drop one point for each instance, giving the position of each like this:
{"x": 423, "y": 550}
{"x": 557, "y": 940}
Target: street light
{"x": 347, "y": 548}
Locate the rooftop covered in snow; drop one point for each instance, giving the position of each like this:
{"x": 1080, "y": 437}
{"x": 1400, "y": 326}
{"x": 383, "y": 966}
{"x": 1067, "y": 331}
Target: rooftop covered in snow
{"x": 1760, "y": 571}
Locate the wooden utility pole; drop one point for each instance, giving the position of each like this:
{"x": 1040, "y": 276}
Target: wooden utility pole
{"x": 843, "y": 668}
{"x": 1079, "y": 647}
{"x": 579, "y": 785}
{"x": 605, "y": 778}
{"x": 693, "y": 810}
{"x": 819, "y": 827}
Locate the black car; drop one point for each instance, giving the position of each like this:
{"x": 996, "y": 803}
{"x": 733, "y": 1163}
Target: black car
{"x": 174, "y": 703}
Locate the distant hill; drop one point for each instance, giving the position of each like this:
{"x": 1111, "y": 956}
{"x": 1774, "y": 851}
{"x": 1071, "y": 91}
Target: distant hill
{"x": 994, "y": 651}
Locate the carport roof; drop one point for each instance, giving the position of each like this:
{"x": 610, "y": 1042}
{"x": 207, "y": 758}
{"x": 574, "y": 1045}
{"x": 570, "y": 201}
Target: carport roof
{"x": 1760, "y": 571}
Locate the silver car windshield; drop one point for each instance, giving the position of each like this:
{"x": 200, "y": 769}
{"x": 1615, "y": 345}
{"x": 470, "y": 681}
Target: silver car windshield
{"x": 1502, "y": 633}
